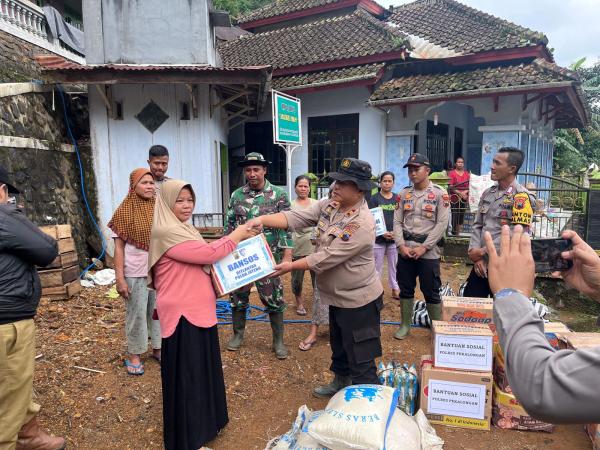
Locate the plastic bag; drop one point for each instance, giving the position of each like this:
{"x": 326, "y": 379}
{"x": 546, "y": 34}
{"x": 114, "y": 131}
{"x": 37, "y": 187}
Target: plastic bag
{"x": 478, "y": 184}
{"x": 357, "y": 417}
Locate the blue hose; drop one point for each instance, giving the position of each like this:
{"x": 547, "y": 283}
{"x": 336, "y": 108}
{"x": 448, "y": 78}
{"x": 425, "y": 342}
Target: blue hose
{"x": 81, "y": 182}
{"x": 224, "y": 315}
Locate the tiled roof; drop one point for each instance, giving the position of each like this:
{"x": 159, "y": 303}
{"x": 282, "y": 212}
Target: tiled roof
{"x": 285, "y": 7}
{"x": 460, "y": 28}
{"x": 468, "y": 80}
{"x": 278, "y": 8}
{"x": 354, "y": 35}
{"x": 329, "y": 77}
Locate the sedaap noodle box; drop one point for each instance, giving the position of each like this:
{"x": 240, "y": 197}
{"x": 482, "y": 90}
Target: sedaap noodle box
{"x": 250, "y": 261}
{"x": 468, "y": 310}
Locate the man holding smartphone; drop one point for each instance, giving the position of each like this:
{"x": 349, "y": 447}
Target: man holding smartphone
{"x": 553, "y": 386}
{"x": 505, "y": 203}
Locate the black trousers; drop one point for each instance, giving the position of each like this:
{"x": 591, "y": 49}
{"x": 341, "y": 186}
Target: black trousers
{"x": 355, "y": 339}
{"x": 477, "y": 286}
{"x": 428, "y": 271}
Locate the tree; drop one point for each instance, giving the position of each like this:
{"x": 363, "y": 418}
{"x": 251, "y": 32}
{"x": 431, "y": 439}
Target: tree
{"x": 236, "y": 8}
{"x": 576, "y": 149}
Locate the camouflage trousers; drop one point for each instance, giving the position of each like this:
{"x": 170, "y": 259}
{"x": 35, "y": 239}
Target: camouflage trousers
{"x": 270, "y": 291}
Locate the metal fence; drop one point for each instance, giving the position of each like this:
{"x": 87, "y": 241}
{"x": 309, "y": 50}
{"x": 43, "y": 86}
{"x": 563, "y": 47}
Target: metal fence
{"x": 561, "y": 204}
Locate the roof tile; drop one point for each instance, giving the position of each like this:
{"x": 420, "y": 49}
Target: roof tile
{"x": 458, "y": 27}
{"x": 329, "y": 77}
{"x": 354, "y": 35}
{"x": 465, "y": 79}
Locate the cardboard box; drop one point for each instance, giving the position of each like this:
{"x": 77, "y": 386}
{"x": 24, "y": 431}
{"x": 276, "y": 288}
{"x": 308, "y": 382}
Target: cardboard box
{"x": 573, "y": 340}
{"x": 551, "y": 330}
{"x": 593, "y": 431}
{"x": 456, "y": 398}
{"x": 462, "y": 347}
{"x": 468, "y": 310}
{"x": 507, "y": 413}
{"x": 250, "y": 261}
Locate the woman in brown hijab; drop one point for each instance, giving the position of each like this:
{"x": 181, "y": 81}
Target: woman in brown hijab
{"x": 131, "y": 224}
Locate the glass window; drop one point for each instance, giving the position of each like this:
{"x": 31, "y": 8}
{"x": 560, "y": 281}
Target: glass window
{"x": 330, "y": 139}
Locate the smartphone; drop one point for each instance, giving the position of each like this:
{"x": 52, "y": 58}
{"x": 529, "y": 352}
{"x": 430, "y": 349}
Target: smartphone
{"x": 547, "y": 254}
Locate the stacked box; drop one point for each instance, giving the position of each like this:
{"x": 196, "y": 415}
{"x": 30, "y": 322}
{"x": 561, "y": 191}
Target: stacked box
{"x": 456, "y": 398}
{"x": 576, "y": 340}
{"x": 468, "y": 310}
{"x": 462, "y": 347}
{"x": 507, "y": 411}
{"x": 456, "y": 381}
{"x": 60, "y": 279}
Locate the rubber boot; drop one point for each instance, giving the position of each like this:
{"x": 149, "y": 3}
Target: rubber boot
{"x": 434, "y": 310}
{"x": 279, "y": 347}
{"x": 32, "y": 437}
{"x": 406, "y": 307}
{"x": 327, "y": 390}
{"x": 239, "y": 326}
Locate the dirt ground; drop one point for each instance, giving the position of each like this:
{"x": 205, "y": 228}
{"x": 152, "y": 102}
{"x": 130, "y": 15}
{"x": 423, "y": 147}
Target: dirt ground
{"x": 117, "y": 411}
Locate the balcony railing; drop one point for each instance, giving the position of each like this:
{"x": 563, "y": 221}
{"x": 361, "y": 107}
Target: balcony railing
{"x": 25, "y": 20}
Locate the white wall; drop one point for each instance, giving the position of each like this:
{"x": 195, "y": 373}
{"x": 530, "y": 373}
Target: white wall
{"x": 371, "y": 122}
{"x": 119, "y": 146}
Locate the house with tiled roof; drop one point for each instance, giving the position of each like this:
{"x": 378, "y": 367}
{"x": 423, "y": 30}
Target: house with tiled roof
{"x": 433, "y": 76}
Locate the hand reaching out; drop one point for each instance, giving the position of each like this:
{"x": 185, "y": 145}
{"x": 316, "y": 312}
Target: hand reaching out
{"x": 514, "y": 268}
{"x": 585, "y": 273}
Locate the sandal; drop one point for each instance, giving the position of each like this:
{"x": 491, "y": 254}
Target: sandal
{"x": 301, "y": 311}
{"x": 134, "y": 369}
{"x": 306, "y": 346}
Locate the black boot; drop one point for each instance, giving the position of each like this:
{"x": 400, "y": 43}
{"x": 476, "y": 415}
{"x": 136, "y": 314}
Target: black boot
{"x": 238, "y": 317}
{"x": 328, "y": 390}
{"x": 277, "y": 326}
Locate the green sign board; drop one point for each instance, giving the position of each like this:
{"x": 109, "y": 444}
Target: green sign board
{"x": 286, "y": 119}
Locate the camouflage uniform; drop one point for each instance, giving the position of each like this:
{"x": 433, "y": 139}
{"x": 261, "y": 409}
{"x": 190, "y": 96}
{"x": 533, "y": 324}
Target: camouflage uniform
{"x": 246, "y": 204}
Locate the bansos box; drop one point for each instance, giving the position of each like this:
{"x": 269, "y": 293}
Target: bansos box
{"x": 250, "y": 261}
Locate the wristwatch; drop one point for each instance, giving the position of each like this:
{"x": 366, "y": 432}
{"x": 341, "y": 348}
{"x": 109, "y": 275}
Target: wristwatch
{"x": 506, "y": 292}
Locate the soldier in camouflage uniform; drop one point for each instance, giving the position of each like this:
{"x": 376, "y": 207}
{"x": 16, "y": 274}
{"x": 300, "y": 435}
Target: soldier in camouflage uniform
{"x": 256, "y": 198}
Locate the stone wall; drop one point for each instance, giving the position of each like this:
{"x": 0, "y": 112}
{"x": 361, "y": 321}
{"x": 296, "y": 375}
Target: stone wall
{"x": 49, "y": 179}
{"x": 17, "y": 61}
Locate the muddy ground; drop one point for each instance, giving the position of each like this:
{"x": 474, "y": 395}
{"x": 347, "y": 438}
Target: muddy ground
{"x": 112, "y": 410}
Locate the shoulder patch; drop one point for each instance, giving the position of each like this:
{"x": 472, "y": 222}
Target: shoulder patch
{"x": 522, "y": 211}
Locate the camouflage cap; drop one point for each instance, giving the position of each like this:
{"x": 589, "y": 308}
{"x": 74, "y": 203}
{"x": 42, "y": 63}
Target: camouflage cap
{"x": 254, "y": 159}
{"x": 355, "y": 170}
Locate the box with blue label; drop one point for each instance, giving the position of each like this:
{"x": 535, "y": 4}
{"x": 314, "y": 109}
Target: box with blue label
{"x": 250, "y": 261}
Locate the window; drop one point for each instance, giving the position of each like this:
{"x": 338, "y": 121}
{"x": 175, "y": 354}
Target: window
{"x": 330, "y": 139}
{"x": 259, "y": 138}
{"x": 437, "y": 145}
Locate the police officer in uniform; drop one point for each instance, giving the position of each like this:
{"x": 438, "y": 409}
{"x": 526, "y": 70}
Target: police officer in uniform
{"x": 346, "y": 277}
{"x": 420, "y": 222}
{"x": 506, "y": 203}
{"x": 255, "y": 198}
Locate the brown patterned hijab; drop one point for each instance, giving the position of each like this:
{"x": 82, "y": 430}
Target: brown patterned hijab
{"x": 132, "y": 220}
